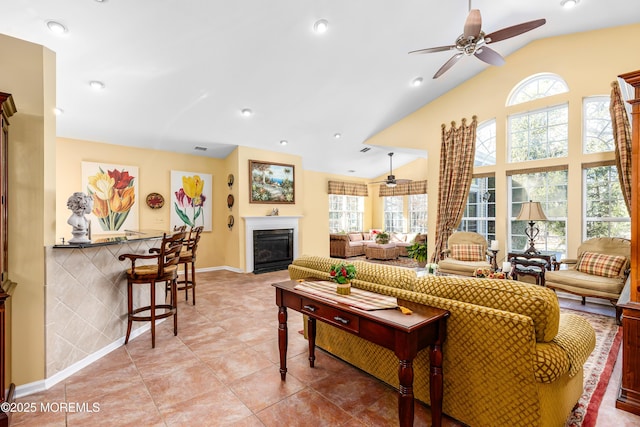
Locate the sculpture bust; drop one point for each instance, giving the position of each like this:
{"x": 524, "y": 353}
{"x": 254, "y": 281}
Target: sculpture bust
{"x": 80, "y": 204}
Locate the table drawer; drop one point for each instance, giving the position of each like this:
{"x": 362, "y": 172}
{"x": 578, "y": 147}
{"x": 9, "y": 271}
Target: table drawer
{"x": 331, "y": 315}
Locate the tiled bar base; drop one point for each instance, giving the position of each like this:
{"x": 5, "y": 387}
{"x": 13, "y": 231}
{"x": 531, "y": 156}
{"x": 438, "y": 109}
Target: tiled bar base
{"x": 86, "y": 300}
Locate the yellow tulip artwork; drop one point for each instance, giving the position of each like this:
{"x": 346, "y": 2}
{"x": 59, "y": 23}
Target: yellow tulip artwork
{"x": 191, "y": 199}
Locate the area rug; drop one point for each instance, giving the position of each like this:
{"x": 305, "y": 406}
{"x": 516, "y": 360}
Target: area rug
{"x": 597, "y": 369}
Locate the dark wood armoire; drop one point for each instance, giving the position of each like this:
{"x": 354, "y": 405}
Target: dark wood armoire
{"x": 629, "y": 394}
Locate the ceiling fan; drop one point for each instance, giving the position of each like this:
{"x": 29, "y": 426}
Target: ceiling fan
{"x": 473, "y": 41}
{"x": 391, "y": 180}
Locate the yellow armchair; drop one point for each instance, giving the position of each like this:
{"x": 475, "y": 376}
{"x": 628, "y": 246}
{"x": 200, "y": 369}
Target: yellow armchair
{"x": 466, "y": 252}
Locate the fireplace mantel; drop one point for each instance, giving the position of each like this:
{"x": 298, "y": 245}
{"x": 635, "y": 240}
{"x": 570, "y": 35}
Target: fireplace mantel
{"x": 267, "y": 223}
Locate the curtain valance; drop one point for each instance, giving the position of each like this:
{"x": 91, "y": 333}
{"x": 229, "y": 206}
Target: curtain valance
{"x": 348, "y": 188}
{"x": 404, "y": 189}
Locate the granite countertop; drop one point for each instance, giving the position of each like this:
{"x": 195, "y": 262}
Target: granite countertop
{"x": 115, "y": 239}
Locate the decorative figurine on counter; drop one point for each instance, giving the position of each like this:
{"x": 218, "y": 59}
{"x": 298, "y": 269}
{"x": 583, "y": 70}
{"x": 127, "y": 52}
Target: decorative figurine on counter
{"x": 80, "y": 204}
{"x": 274, "y": 212}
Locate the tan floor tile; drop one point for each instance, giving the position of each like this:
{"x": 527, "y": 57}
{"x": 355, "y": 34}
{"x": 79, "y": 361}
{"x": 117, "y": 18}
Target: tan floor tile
{"x": 264, "y": 388}
{"x": 219, "y": 408}
{"x": 238, "y": 365}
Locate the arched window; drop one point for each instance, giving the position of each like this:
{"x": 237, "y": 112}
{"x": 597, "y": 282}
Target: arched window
{"x": 486, "y": 144}
{"x": 537, "y": 86}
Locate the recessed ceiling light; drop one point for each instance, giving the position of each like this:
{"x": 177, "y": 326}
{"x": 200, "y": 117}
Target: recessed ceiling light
{"x": 246, "y": 112}
{"x": 337, "y": 135}
{"x": 321, "y": 26}
{"x": 569, "y": 4}
{"x": 284, "y": 142}
{"x": 351, "y": 171}
{"x": 57, "y": 111}
{"x": 417, "y": 81}
{"x": 56, "y": 27}
{"x": 96, "y": 85}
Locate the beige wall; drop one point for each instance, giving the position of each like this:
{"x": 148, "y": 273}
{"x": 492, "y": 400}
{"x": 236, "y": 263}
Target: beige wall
{"x": 154, "y": 169}
{"x": 588, "y": 62}
{"x": 28, "y": 73}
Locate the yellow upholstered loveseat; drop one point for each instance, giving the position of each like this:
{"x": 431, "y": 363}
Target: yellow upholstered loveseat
{"x": 510, "y": 357}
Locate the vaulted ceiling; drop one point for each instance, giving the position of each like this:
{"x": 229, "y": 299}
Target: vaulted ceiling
{"x": 177, "y": 74}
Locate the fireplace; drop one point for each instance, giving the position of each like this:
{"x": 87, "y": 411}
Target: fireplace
{"x": 268, "y": 222}
{"x": 272, "y": 250}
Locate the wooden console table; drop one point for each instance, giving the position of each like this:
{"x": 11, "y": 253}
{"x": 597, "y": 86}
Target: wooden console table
{"x": 531, "y": 264}
{"x": 404, "y": 334}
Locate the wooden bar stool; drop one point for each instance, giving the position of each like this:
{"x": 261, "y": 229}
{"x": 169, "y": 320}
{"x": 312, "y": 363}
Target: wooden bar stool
{"x": 165, "y": 269}
{"x": 188, "y": 261}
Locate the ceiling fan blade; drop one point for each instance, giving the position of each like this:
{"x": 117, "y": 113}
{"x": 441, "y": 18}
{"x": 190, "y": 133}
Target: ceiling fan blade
{"x": 403, "y": 181}
{"x": 473, "y": 24}
{"x": 515, "y": 30}
{"x": 489, "y": 56}
{"x": 448, "y": 65}
{"x": 434, "y": 49}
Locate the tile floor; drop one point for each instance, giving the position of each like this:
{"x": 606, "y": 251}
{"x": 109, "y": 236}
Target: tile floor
{"x": 222, "y": 370}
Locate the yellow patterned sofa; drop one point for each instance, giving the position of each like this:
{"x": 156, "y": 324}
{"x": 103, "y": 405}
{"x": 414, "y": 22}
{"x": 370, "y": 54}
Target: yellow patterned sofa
{"x": 510, "y": 358}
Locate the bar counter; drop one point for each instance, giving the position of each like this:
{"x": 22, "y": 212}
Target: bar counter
{"x": 86, "y": 297}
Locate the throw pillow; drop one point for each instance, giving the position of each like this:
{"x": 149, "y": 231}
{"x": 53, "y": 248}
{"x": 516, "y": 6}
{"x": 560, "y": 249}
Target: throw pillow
{"x": 467, "y": 252}
{"x": 601, "y": 264}
{"x": 397, "y": 237}
{"x": 355, "y": 237}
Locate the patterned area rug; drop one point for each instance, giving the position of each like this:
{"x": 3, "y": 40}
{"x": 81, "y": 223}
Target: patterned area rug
{"x": 597, "y": 369}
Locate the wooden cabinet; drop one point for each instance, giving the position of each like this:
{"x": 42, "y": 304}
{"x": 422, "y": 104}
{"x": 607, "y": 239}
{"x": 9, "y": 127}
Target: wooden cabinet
{"x": 7, "y": 109}
{"x": 629, "y": 395}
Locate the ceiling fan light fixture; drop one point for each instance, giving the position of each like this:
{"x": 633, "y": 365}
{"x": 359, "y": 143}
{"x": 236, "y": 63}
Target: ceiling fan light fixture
{"x": 391, "y": 184}
{"x": 569, "y": 4}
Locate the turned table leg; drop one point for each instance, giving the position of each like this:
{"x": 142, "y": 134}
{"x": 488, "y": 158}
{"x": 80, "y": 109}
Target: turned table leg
{"x": 283, "y": 340}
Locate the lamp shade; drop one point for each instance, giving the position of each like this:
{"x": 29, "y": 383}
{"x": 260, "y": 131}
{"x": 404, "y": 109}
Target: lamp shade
{"x": 531, "y": 211}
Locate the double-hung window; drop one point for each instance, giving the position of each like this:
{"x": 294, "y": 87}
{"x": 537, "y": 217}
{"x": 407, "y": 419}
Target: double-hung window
{"x": 346, "y": 213}
{"x": 480, "y": 211}
{"x": 393, "y": 214}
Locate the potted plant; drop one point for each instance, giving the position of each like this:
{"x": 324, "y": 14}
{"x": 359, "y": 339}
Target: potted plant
{"x": 382, "y": 238}
{"x": 342, "y": 274}
{"x": 418, "y": 251}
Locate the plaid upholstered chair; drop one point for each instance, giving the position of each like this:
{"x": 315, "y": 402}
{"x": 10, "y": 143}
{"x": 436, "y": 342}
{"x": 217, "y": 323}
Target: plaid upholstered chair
{"x": 466, "y": 252}
{"x": 599, "y": 270}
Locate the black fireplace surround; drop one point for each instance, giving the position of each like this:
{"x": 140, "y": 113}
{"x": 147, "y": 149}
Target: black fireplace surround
{"x": 272, "y": 250}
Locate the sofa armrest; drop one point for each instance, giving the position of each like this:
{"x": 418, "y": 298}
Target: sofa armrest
{"x": 577, "y": 338}
{"x": 567, "y": 261}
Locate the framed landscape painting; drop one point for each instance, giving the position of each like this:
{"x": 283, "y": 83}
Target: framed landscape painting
{"x": 114, "y": 189}
{"x": 191, "y": 202}
{"x": 271, "y": 183}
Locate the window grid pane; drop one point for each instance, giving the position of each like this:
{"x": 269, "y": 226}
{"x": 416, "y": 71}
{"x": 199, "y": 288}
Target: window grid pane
{"x": 550, "y": 189}
{"x": 598, "y": 135}
{"x": 393, "y": 215}
{"x": 346, "y": 213}
{"x": 539, "y": 134}
{"x": 486, "y": 144}
{"x": 418, "y": 213}
{"x": 605, "y": 212}
{"x": 480, "y": 211}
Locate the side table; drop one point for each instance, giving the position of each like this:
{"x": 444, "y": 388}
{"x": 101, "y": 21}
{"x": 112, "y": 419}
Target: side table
{"x": 527, "y": 264}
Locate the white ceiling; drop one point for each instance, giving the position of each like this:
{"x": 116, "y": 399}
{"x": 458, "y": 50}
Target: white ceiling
{"x": 178, "y": 72}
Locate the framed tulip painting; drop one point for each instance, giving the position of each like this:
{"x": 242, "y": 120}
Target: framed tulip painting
{"x": 271, "y": 183}
{"x": 114, "y": 189}
{"x": 191, "y": 202}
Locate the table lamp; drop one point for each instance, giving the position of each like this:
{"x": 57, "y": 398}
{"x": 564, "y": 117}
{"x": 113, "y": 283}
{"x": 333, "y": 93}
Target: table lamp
{"x": 532, "y": 212}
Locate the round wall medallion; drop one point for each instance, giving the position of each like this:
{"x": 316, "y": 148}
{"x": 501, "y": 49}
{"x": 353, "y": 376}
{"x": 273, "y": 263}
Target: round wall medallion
{"x": 230, "y": 201}
{"x": 230, "y": 180}
{"x": 155, "y": 200}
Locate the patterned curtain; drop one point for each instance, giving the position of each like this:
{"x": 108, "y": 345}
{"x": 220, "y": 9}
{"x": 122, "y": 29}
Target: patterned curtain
{"x": 622, "y": 136}
{"x": 404, "y": 189}
{"x": 457, "y": 153}
{"x": 348, "y": 188}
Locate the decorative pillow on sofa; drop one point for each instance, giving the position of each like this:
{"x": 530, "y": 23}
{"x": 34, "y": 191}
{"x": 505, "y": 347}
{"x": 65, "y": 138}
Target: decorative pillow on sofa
{"x": 397, "y": 237}
{"x": 355, "y": 237}
{"x": 601, "y": 264}
{"x": 467, "y": 252}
